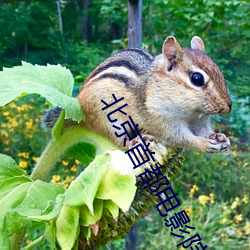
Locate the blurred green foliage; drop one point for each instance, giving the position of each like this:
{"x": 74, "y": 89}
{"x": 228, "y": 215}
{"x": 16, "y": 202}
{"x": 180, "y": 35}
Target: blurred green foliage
{"x": 30, "y": 32}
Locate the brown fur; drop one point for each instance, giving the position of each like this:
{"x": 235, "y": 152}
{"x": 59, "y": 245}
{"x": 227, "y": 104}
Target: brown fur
{"x": 160, "y": 96}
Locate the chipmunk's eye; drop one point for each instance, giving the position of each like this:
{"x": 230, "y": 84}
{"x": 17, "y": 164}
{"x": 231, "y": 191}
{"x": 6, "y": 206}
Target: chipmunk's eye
{"x": 197, "y": 79}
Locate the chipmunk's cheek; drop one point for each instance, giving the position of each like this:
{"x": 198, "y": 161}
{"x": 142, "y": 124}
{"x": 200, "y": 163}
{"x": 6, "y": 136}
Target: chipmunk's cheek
{"x": 208, "y": 109}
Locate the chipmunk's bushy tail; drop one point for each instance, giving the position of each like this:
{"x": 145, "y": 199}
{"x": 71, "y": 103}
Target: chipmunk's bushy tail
{"x": 50, "y": 117}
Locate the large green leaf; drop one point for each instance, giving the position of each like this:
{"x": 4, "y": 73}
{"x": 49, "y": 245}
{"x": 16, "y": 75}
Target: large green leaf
{"x": 10, "y": 201}
{"x": 21, "y": 198}
{"x": 6, "y": 186}
{"x": 27, "y": 201}
{"x": 53, "y": 82}
{"x": 108, "y": 178}
{"x": 40, "y": 193}
{"x": 118, "y": 188}
{"x": 86, "y": 218}
{"x": 83, "y": 189}
{"x": 9, "y": 168}
{"x": 14, "y": 198}
{"x": 50, "y": 213}
{"x": 67, "y": 226}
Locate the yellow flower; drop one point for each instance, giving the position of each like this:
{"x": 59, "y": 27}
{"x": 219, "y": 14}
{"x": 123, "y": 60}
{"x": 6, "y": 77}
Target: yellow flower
{"x": 6, "y": 149}
{"x": 65, "y": 185}
{"x": 24, "y": 155}
{"x": 23, "y": 164}
{"x": 238, "y": 159}
{"x": 6, "y": 141}
{"x": 24, "y": 107}
{"x": 247, "y": 228}
{"x": 203, "y": 199}
{"x": 77, "y": 162}
{"x": 211, "y": 195}
{"x": 14, "y": 123}
{"x": 223, "y": 235}
{"x": 193, "y": 190}
{"x": 245, "y": 199}
{"x": 238, "y": 233}
{"x": 55, "y": 178}
{"x": 6, "y": 113}
{"x": 73, "y": 168}
{"x": 238, "y": 218}
{"x": 223, "y": 220}
{"x": 12, "y": 105}
{"x": 234, "y": 152}
{"x": 65, "y": 163}
{"x": 224, "y": 164}
{"x": 70, "y": 178}
{"x": 235, "y": 203}
{"x": 19, "y": 108}
{"x": 35, "y": 159}
{"x": 188, "y": 211}
{"x": 4, "y": 134}
{"x": 29, "y": 124}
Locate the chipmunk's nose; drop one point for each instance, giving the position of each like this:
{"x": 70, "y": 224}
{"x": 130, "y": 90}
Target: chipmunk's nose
{"x": 227, "y": 108}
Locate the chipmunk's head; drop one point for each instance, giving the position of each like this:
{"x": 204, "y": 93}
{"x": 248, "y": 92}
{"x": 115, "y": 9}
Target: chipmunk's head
{"x": 194, "y": 78}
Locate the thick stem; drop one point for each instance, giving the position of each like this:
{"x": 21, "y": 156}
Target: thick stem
{"x": 57, "y": 147}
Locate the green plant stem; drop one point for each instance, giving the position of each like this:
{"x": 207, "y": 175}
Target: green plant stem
{"x": 57, "y": 147}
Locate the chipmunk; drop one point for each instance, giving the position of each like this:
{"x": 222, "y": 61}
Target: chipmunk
{"x": 170, "y": 96}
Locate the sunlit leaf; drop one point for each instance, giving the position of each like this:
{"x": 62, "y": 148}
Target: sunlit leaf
{"x": 9, "y": 168}
{"x": 86, "y": 218}
{"x": 67, "y": 226}
{"x": 118, "y": 188}
{"x": 83, "y": 189}
{"x": 20, "y": 197}
{"x": 53, "y": 82}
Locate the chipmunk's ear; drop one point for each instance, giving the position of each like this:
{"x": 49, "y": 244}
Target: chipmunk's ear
{"x": 197, "y": 43}
{"x": 171, "y": 49}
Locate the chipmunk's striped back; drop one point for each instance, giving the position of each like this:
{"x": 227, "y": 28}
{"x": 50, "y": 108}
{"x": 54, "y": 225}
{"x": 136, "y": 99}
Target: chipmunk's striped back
{"x": 124, "y": 66}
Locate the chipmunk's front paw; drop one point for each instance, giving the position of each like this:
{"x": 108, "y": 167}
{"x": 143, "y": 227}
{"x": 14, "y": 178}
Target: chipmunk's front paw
{"x": 217, "y": 142}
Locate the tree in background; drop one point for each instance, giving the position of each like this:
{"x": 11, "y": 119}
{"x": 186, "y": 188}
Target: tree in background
{"x": 135, "y": 23}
